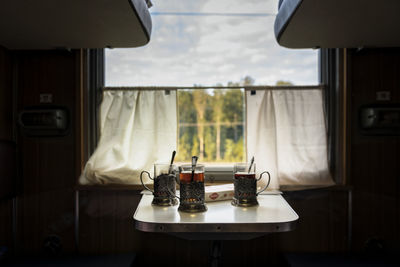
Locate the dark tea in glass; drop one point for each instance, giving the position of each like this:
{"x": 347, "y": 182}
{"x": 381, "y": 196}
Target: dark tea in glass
{"x": 245, "y": 184}
{"x": 191, "y": 188}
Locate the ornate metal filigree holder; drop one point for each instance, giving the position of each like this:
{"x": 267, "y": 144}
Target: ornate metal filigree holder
{"x": 192, "y": 196}
{"x": 245, "y": 184}
{"x": 163, "y": 185}
{"x": 245, "y": 194}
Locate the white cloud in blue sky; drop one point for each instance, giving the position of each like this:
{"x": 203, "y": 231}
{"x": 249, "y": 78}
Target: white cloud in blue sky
{"x": 206, "y": 50}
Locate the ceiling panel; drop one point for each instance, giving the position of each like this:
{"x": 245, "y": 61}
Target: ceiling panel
{"x": 50, "y": 24}
{"x": 338, "y": 23}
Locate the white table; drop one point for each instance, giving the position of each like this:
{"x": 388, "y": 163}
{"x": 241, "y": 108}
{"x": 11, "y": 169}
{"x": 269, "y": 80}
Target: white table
{"x": 222, "y": 221}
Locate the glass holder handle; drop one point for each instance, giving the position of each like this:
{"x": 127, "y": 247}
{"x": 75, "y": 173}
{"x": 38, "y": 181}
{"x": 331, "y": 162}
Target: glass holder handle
{"x": 141, "y": 180}
{"x": 171, "y": 194}
{"x": 265, "y": 187}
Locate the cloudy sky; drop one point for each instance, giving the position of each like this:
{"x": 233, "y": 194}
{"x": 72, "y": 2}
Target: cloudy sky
{"x": 210, "y": 45}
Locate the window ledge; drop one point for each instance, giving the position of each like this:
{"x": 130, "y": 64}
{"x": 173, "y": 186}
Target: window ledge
{"x": 139, "y": 188}
{"x": 128, "y": 187}
{"x": 109, "y": 187}
{"x": 336, "y": 187}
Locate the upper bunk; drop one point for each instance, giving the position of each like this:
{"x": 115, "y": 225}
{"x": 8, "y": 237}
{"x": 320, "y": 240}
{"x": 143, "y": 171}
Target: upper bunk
{"x": 49, "y": 24}
{"x": 338, "y": 23}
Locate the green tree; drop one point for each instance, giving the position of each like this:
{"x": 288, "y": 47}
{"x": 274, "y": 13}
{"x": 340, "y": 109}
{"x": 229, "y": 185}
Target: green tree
{"x": 200, "y": 98}
{"x": 218, "y": 115}
{"x": 184, "y": 147}
{"x": 210, "y": 147}
{"x": 195, "y": 146}
{"x": 247, "y": 80}
{"x": 283, "y": 83}
{"x": 233, "y": 109}
{"x": 238, "y": 150}
{"x": 211, "y": 123}
{"x": 187, "y": 113}
{"x": 233, "y": 151}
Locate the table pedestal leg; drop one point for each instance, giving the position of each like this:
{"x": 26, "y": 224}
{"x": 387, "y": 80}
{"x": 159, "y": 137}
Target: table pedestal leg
{"x": 215, "y": 253}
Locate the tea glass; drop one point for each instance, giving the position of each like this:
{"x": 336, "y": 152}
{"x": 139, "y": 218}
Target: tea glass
{"x": 164, "y": 184}
{"x": 191, "y": 188}
{"x": 245, "y": 184}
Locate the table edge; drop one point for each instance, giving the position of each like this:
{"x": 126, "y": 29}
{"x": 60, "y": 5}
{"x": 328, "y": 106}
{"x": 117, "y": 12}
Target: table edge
{"x": 155, "y": 227}
{"x": 163, "y": 227}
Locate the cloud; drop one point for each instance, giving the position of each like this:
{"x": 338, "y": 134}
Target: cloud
{"x": 247, "y": 6}
{"x": 187, "y": 50}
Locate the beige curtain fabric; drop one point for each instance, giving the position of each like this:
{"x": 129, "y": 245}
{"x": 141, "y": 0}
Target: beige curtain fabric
{"x": 137, "y": 129}
{"x": 286, "y": 134}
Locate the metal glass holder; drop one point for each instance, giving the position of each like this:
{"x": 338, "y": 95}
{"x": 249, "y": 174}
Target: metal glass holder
{"x": 163, "y": 185}
{"x": 245, "y": 194}
{"x": 192, "y": 197}
{"x": 158, "y": 201}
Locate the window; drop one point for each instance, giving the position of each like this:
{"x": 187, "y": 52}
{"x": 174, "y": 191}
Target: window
{"x": 211, "y": 43}
{"x": 211, "y": 125}
{"x": 208, "y": 54}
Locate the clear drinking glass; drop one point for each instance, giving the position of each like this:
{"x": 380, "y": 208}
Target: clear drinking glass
{"x": 164, "y": 184}
{"x": 245, "y": 184}
{"x": 191, "y": 188}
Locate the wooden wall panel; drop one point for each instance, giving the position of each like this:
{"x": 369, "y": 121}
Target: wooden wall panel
{"x": 46, "y": 202}
{"x": 6, "y": 133}
{"x": 106, "y": 222}
{"x": 6, "y": 228}
{"x": 375, "y": 160}
{"x": 106, "y": 226}
{"x": 44, "y": 214}
{"x": 6, "y": 95}
{"x": 323, "y": 224}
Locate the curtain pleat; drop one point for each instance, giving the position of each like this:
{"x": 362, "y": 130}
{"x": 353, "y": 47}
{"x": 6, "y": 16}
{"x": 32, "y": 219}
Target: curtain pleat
{"x": 137, "y": 129}
{"x": 286, "y": 134}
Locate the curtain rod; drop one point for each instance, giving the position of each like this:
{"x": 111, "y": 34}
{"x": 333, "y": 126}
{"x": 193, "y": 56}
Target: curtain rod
{"x": 248, "y": 87}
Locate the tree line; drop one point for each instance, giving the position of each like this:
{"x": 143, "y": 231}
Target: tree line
{"x": 212, "y": 123}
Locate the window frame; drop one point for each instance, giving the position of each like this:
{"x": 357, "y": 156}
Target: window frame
{"x": 95, "y": 82}
{"x": 331, "y": 75}
{"x": 330, "y": 66}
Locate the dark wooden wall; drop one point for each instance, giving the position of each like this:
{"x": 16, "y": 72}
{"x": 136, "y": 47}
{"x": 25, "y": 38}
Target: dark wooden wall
{"x": 46, "y": 202}
{"x": 6, "y": 95}
{"x": 106, "y": 226}
{"x": 49, "y": 170}
{"x": 375, "y": 160}
{"x": 6, "y": 133}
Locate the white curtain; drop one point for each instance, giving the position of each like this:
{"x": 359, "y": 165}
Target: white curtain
{"x": 138, "y": 128}
{"x": 286, "y": 134}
